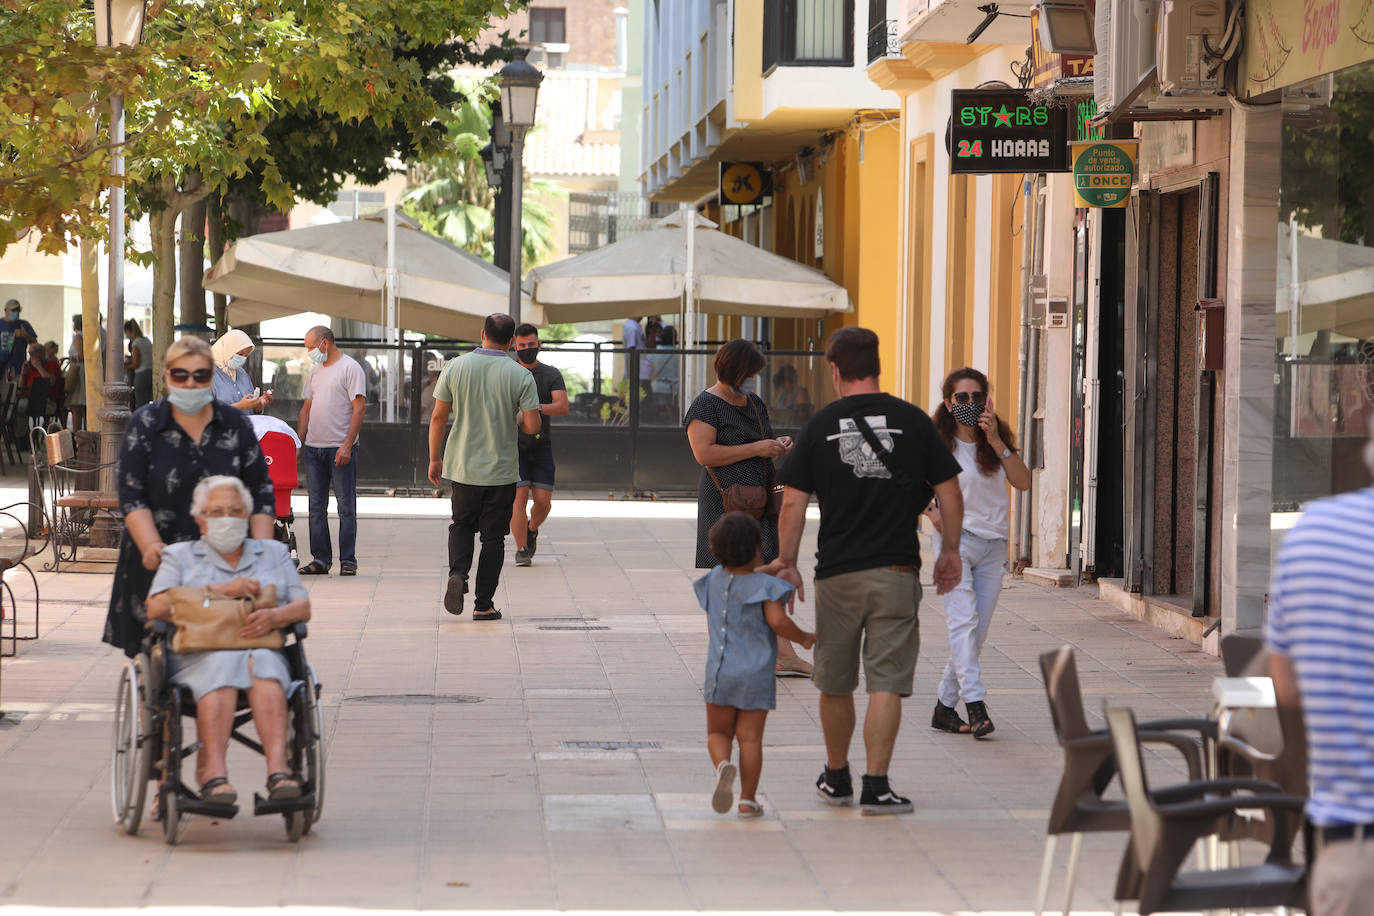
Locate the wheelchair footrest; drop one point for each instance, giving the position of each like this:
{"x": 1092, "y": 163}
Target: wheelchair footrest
{"x": 219, "y": 810}
{"x": 306, "y": 802}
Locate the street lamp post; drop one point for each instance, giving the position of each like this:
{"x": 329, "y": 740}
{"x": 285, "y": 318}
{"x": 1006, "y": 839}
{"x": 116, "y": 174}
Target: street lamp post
{"x": 519, "y": 95}
{"x": 118, "y": 24}
{"x": 496, "y": 159}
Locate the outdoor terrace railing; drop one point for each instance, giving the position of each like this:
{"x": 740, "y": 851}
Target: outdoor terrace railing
{"x": 623, "y": 431}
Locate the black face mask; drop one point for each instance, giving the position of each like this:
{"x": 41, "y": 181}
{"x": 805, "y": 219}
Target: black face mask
{"x": 527, "y": 355}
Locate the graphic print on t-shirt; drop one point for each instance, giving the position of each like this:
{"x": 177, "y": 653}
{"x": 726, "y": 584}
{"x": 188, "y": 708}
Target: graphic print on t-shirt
{"x": 855, "y": 451}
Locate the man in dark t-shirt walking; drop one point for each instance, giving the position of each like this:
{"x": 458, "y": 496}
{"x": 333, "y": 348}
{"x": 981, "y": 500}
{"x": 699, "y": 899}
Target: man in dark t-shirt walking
{"x": 873, "y": 461}
{"x": 536, "y": 451}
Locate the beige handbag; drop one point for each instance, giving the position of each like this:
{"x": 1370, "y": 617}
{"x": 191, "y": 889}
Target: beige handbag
{"x": 205, "y": 620}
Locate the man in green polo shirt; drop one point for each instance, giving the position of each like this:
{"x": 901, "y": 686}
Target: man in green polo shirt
{"x": 483, "y": 390}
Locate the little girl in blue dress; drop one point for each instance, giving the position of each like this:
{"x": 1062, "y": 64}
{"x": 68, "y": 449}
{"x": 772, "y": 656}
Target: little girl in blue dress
{"x": 745, "y": 614}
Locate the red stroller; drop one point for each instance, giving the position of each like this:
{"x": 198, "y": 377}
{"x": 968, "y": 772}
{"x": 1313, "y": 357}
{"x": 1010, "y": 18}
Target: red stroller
{"x": 279, "y": 444}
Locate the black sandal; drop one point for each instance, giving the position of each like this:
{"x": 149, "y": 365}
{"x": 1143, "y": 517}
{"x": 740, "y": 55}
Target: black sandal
{"x": 277, "y": 790}
{"x": 348, "y": 569}
{"x": 208, "y": 794}
{"x": 947, "y": 719}
{"x": 314, "y": 568}
{"x": 490, "y": 613}
{"x": 978, "y": 719}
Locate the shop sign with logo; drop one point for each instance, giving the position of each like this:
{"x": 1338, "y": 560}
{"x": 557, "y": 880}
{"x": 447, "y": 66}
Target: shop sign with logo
{"x": 744, "y": 183}
{"x": 1103, "y": 172}
{"x": 1002, "y": 130}
{"x": 1292, "y": 41}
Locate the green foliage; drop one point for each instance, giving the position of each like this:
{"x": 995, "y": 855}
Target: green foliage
{"x": 203, "y": 92}
{"x": 451, "y": 198}
{"x": 1328, "y": 168}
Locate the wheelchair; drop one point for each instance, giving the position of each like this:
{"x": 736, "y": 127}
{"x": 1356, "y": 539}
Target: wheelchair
{"x": 150, "y": 747}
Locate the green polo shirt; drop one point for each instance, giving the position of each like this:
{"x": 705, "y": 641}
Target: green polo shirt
{"x": 487, "y": 389}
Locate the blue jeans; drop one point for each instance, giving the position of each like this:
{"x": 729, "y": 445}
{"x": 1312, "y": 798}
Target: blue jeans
{"x": 968, "y": 611}
{"x": 320, "y": 471}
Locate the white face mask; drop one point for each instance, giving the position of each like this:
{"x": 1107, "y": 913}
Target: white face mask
{"x": 237, "y": 360}
{"x": 226, "y": 533}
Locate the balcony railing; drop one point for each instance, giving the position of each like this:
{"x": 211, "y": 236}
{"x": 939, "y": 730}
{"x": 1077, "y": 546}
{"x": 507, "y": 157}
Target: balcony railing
{"x": 808, "y": 33}
{"x": 883, "y": 40}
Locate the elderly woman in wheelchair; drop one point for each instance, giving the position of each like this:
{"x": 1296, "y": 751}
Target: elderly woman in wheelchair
{"x": 224, "y": 562}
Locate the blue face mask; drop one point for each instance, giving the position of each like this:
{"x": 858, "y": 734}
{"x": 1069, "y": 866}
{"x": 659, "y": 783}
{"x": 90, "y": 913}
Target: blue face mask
{"x": 316, "y": 355}
{"x": 190, "y": 400}
{"x": 236, "y": 361}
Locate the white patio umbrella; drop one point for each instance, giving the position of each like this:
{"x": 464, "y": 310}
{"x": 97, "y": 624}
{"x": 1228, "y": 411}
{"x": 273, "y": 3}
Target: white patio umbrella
{"x": 652, "y": 273}
{"x": 341, "y": 269}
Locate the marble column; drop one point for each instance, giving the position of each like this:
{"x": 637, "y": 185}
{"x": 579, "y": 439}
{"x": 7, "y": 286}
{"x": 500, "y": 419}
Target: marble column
{"x": 1248, "y": 430}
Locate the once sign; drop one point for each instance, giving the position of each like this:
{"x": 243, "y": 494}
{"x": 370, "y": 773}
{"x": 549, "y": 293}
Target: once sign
{"x": 1001, "y": 130}
{"x": 1103, "y": 172}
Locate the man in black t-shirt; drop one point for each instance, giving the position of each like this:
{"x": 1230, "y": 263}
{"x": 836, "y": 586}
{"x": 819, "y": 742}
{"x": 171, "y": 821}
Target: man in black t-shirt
{"x": 873, "y": 461}
{"x": 536, "y": 451}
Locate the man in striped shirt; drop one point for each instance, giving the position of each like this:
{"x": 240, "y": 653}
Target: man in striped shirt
{"x": 1321, "y": 641}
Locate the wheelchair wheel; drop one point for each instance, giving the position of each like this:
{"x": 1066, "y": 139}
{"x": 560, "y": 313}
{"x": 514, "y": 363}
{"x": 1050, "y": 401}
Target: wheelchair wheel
{"x": 131, "y": 763}
{"x": 171, "y": 765}
{"x": 314, "y": 753}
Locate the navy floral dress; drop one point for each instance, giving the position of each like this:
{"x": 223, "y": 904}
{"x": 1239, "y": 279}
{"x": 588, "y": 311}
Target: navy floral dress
{"x": 159, "y": 467}
{"x": 734, "y": 426}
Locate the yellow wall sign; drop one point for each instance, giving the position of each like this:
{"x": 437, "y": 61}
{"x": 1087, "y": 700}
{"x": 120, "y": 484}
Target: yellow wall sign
{"x": 1288, "y": 42}
{"x": 1103, "y": 172}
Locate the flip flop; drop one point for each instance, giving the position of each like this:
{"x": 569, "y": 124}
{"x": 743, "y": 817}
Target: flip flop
{"x": 791, "y": 667}
{"x": 314, "y": 568}
{"x": 226, "y": 797}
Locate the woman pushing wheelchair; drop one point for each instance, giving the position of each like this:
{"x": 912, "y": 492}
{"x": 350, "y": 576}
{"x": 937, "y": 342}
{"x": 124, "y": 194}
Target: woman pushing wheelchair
{"x": 226, "y": 563}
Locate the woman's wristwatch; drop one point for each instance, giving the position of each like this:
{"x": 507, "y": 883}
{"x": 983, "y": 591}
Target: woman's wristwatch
{"x": 1006, "y": 453}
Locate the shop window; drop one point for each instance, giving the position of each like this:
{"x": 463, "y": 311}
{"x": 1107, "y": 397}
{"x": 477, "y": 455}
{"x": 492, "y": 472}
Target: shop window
{"x": 1324, "y": 327}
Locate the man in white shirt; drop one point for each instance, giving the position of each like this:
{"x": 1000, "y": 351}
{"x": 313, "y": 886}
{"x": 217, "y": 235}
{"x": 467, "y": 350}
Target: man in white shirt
{"x": 335, "y": 396}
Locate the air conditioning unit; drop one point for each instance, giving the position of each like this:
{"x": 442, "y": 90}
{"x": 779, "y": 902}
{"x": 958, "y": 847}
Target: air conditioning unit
{"x": 1125, "y": 48}
{"x": 1187, "y": 30}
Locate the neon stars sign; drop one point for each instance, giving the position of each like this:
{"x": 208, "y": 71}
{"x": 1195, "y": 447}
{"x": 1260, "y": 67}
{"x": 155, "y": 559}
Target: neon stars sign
{"x": 1001, "y": 130}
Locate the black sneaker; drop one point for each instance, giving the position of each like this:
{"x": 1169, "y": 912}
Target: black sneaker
{"x": 453, "y": 594}
{"x": 524, "y": 557}
{"x": 835, "y": 786}
{"x": 878, "y": 798}
{"x": 531, "y": 541}
{"x": 978, "y": 719}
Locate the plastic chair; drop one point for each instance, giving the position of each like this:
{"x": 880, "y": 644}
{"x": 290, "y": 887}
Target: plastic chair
{"x": 1166, "y": 825}
{"x": 1089, "y": 766}
{"x": 1258, "y": 743}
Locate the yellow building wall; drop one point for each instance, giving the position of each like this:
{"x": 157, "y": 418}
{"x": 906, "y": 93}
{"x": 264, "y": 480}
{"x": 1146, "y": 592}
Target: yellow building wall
{"x": 860, "y": 209}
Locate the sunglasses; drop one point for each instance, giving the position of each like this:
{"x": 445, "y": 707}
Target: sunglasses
{"x": 201, "y": 376}
{"x": 962, "y": 397}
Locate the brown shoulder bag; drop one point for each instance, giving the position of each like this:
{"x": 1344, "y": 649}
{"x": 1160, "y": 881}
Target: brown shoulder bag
{"x": 206, "y": 621}
{"x": 755, "y": 501}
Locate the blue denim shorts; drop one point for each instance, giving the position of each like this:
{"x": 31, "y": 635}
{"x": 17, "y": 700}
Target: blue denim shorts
{"x": 537, "y": 467}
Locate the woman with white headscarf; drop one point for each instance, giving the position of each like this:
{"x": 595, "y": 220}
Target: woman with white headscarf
{"x": 232, "y": 384}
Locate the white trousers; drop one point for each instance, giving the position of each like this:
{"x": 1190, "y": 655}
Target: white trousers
{"x": 968, "y": 611}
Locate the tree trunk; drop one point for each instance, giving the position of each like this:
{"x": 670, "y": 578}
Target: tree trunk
{"x": 163, "y": 225}
{"x": 90, "y": 330}
{"x": 215, "y": 240}
{"x": 192, "y": 252}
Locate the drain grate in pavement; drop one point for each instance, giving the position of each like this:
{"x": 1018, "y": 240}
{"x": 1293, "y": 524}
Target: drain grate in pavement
{"x": 608, "y": 745}
{"x": 553, "y": 619}
{"x": 561, "y": 626}
{"x": 412, "y": 699}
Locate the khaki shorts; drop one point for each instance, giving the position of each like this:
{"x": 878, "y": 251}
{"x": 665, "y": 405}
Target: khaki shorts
{"x": 869, "y": 613}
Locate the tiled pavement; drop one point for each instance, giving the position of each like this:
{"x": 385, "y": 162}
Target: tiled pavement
{"x": 463, "y": 796}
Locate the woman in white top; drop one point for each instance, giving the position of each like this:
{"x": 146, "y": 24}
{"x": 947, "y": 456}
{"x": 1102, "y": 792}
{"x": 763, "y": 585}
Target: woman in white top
{"x": 985, "y": 448}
